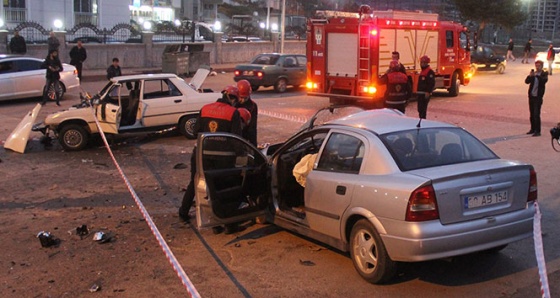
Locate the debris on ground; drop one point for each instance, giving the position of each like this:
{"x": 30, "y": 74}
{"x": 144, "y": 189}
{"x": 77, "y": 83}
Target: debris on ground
{"x": 47, "y": 239}
{"x": 306, "y": 263}
{"x": 180, "y": 166}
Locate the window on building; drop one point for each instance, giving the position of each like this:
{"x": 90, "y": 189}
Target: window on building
{"x": 85, "y": 11}
{"x": 14, "y": 11}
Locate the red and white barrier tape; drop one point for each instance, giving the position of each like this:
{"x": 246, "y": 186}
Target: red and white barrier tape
{"x": 539, "y": 252}
{"x": 168, "y": 253}
{"x": 282, "y": 116}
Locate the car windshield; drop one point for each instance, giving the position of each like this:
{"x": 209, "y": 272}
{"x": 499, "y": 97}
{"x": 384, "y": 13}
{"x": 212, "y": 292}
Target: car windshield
{"x": 432, "y": 147}
{"x": 265, "y": 59}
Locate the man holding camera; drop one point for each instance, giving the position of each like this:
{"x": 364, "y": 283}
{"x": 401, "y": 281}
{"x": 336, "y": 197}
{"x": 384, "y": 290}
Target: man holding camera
{"x": 537, "y": 80}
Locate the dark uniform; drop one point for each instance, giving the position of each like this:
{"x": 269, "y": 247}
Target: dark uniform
{"x": 426, "y": 84}
{"x": 398, "y": 90}
{"x": 250, "y": 131}
{"x": 537, "y": 82}
{"x": 54, "y": 67}
{"x": 219, "y": 116}
{"x": 78, "y": 55}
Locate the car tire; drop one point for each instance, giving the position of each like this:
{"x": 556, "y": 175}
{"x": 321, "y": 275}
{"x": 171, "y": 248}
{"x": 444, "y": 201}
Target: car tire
{"x": 281, "y": 85}
{"x": 186, "y": 126}
{"x": 51, "y": 90}
{"x": 454, "y": 89}
{"x": 501, "y": 68}
{"x": 254, "y": 88}
{"x": 73, "y": 137}
{"x": 369, "y": 255}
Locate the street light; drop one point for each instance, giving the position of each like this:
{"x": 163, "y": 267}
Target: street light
{"x": 147, "y": 26}
{"x": 217, "y": 26}
{"x": 57, "y": 24}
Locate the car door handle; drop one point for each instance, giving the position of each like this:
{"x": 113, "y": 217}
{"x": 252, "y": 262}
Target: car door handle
{"x": 340, "y": 190}
{"x": 114, "y": 111}
{"x": 178, "y": 100}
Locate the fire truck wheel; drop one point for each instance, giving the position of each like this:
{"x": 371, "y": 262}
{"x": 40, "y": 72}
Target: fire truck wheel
{"x": 281, "y": 85}
{"x": 454, "y": 89}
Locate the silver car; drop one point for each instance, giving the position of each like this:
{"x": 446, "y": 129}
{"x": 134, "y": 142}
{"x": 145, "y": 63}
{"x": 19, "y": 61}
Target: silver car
{"x": 376, "y": 184}
{"x": 23, "y": 77}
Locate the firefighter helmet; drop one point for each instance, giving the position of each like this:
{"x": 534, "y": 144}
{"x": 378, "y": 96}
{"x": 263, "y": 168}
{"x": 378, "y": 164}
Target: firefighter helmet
{"x": 394, "y": 65}
{"x": 231, "y": 93}
{"x": 245, "y": 115}
{"x": 425, "y": 59}
{"x": 244, "y": 88}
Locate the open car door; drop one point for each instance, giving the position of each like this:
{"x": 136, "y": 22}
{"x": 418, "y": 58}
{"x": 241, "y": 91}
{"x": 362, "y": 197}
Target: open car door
{"x": 232, "y": 180}
{"x": 109, "y": 111}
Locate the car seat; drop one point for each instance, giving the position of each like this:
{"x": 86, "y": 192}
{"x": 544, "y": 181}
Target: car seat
{"x": 451, "y": 153}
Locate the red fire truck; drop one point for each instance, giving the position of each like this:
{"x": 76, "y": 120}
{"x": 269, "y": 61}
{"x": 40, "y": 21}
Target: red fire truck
{"x": 348, "y": 52}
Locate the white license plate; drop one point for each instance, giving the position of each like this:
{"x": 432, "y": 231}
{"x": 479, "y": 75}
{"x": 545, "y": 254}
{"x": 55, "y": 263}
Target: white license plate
{"x": 485, "y": 199}
{"x": 248, "y": 73}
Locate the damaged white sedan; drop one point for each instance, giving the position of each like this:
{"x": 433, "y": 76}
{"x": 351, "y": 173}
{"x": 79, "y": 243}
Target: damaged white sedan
{"x": 135, "y": 103}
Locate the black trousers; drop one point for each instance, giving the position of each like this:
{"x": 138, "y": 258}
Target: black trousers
{"x": 56, "y": 86}
{"x": 535, "y": 104}
{"x": 188, "y": 197}
{"x": 423, "y": 101}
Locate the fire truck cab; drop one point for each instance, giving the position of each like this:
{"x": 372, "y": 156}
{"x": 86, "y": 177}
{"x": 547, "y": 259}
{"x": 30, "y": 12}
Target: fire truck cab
{"x": 348, "y": 52}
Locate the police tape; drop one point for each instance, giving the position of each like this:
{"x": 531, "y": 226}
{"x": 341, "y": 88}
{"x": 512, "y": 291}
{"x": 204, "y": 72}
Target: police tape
{"x": 168, "y": 253}
{"x": 539, "y": 252}
{"x": 283, "y": 116}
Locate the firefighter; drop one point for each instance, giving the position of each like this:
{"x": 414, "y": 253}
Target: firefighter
{"x": 250, "y": 131}
{"x": 397, "y": 56}
{"x": 426, "y": 84}
{"x": 220, "y": 116}
{"x": 398, "y": 87}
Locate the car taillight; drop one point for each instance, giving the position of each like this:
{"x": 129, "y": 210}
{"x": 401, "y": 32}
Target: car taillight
{"x": 237, "y": 72}
{"x": 260, "y": 74}
{"x": 422, "y": 205}
{"x": 532, "y": 196}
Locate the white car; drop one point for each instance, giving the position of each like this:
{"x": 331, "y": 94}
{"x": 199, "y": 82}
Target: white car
{"x": 542, "y": 56}
{"x": 23, "y": 77}
{"x": 147, "y": 102}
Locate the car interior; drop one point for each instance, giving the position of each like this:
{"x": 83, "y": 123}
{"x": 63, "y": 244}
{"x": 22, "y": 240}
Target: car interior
{"x": 290, "y": 193}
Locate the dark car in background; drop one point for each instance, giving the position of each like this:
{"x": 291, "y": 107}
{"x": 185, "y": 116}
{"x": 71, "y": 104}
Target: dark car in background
{"x": 483, "y": 58}
{"x": 278, "y": 70}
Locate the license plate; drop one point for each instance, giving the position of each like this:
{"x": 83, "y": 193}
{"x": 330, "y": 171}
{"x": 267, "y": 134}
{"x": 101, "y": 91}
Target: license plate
{"x": 486, "y": 199}
{"x": 248, "y": 73}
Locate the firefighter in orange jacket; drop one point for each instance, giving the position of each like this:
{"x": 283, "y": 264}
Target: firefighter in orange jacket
{"x": 398, "y": 87}
{"x": 219, "y": 116}
{"x": 426, "y": 84}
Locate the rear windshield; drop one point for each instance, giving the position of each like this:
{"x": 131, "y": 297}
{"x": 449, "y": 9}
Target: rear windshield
{"x": 432, "y": 147}
{"x": 265, "y": 59}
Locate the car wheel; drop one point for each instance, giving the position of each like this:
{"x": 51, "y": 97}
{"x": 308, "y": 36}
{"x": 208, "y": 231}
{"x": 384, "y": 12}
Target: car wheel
{"x": 501, "y": 69}
{"x": 186, "y": 126}
{"x": 73, "y": 137}
{"x": 473, "y": 69}
{"x": 369, "y": 255}
{"x": 52, "y": 91}
{"x": 254, "y": 88}
{"x": 281, "y": 85}
{"x": 454, "y": 89}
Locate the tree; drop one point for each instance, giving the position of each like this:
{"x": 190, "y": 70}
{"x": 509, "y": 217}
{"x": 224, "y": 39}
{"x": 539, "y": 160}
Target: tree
{"x": 505, "y": 13}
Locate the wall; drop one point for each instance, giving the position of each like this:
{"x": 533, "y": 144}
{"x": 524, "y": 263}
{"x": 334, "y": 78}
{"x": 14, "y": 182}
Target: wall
{"x": 149, "y": 54}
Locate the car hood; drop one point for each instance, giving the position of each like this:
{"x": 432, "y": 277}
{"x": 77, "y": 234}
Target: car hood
{"x": 17, "y": 140}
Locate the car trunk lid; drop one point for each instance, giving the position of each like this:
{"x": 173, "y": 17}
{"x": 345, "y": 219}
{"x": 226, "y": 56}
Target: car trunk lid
{"x": 479, "y": 189}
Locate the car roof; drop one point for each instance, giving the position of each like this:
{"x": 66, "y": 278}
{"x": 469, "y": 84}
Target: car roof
{"x": 279, "y": 54}
{"x": 383, "y": 121}
{"x": 145, "y": 76}
{"x": 10, "y": 56}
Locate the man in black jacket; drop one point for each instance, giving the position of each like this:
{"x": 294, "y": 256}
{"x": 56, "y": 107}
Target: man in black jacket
{"x": 54, "y": 67}
{"x": 114, "y": 69}
{"x": 537, "y": 80}
{"x": 17, "y": 44}
{"x": 78, "y": 55}
{"x": 426, "y": 84}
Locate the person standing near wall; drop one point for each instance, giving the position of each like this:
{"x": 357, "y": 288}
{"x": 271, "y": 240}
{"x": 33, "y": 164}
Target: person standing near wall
{"x": 78, "y": 55}
{"x": 510, "y": 50}
{"x": 114, "y": 70}
{"x": 17, "y": 44}
{"x": 53, "y": 42}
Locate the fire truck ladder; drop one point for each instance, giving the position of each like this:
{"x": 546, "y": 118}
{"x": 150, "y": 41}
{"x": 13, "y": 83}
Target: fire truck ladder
{"x": 364, "y": 58}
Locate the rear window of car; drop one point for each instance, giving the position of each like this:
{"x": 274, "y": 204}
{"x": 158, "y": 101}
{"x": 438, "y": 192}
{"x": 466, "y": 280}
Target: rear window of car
{"x": 432, "y": 147}
{"x": 265, "y": 59}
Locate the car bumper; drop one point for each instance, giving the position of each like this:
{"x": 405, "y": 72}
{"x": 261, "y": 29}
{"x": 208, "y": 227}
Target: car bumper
{"x": 255, "y": 81}
{"x": 432, "y": 240}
